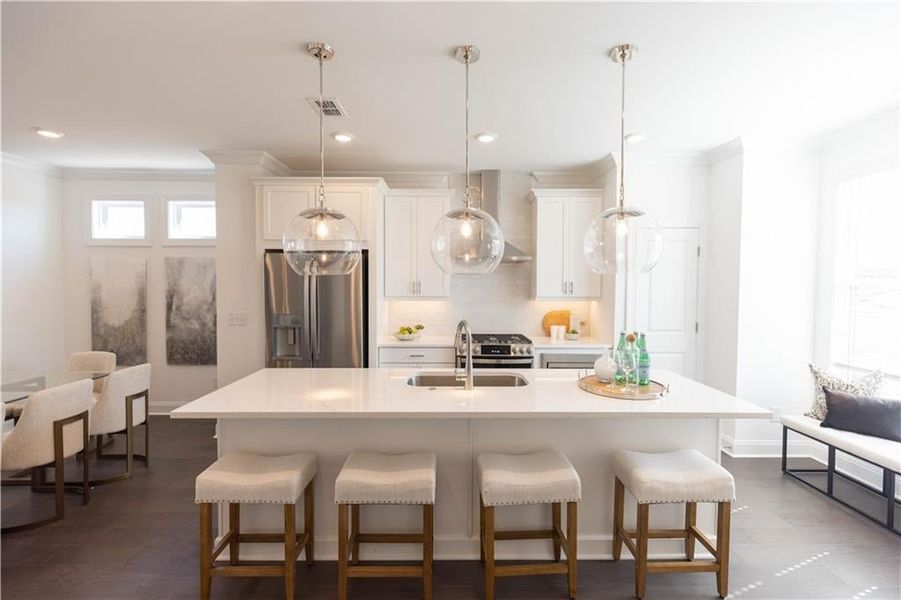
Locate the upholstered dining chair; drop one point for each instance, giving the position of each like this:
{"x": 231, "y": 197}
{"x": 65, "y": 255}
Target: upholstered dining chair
{"x": 93, "y": 361}
{"x": 53, "y": 426}
{"x": 118, "y": 410}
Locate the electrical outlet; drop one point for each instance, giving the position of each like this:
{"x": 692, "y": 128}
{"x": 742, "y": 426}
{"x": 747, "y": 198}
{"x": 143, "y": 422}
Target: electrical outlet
{"x": 237, "y": 319}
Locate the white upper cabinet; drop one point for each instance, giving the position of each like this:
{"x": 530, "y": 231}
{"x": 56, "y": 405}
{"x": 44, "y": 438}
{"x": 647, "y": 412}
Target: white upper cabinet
{"x": 280, "y": 199}
{"x": 560, "y": 218}
{"x": 410, "y": 218}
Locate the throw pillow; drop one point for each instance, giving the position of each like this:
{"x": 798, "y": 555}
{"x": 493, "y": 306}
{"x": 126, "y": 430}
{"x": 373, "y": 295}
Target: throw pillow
{"x": 879, "y": 417}
{"x": 868, "y": 385}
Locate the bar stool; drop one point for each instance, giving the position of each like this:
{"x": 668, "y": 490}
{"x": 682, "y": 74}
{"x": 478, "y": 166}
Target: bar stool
{"x": 372, "y": 478}
{"x": 684, "y": 476}
{"x": 539, "y": 478}
{"x": 245, "y": 478}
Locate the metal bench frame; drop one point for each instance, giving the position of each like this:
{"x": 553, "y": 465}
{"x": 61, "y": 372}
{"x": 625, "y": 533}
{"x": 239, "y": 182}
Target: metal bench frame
{"x": 888, "y": 479}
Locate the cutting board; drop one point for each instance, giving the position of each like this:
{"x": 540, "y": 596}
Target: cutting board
{"x": 555, "y": 317}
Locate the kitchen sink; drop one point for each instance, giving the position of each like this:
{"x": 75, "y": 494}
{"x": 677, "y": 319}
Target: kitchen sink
{"x": 479, "y": 380}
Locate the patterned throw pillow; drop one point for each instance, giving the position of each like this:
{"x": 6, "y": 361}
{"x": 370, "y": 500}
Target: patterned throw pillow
{"x": 868, "y": 385}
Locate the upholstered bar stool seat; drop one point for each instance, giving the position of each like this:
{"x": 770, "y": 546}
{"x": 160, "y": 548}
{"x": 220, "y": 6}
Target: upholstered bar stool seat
{"x": 374, "y": 478}
{"x": 244, "y": 478}
{"x": 545, "y": 477}
{"x": 683, "y": 476}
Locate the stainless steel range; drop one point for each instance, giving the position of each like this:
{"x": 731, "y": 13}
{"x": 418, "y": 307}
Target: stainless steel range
{"x": 496, "y": 351}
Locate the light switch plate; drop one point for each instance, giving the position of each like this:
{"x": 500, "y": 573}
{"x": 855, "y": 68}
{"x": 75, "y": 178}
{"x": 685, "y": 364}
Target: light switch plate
{"x": 237, "y": 319}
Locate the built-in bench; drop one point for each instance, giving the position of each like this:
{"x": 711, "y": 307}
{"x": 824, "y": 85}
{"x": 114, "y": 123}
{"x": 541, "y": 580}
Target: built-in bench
{"x": 881, "y": 453}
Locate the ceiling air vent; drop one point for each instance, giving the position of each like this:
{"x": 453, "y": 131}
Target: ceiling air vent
{"x": 331, "y": 107}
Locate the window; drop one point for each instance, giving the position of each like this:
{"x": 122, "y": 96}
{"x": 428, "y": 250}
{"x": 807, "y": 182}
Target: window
{"x": 191, "y": 219}
{"x": 865, "y": 330}
{"x": 117, "y": 219}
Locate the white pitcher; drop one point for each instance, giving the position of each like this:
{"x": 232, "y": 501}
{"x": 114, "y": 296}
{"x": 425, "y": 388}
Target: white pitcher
{"x": 605, "y": 366}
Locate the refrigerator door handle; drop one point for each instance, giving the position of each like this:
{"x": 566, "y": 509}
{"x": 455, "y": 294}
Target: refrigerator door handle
{"x": 314, "y": 316}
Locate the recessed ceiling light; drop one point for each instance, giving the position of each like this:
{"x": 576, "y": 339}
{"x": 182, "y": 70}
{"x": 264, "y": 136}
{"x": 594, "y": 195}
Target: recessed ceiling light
{"x": 342, "y": 136}
{"x": 47, "y": 133}
{"x": 636, "y": 136}
{"x": 486, "y": 137}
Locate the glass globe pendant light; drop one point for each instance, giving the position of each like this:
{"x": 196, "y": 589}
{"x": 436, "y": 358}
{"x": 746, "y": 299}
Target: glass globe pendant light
{"x": 321, "y": 240}
{"x": 622, "y": 239}
{"x": 467, "y": 240}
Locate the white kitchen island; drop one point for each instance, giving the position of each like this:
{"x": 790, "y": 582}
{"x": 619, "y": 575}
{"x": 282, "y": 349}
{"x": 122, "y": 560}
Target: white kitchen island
{"x": 334, "y": 411}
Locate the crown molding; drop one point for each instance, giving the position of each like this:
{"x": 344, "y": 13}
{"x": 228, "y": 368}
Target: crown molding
{"x": 81, "y": 174}
{"x": 314, "y": 180}
{"x": 728, "y": 150}
{"x": 248, "y": 157}
{"x": 438, "y": 180}
{"x": 30, "y": 164}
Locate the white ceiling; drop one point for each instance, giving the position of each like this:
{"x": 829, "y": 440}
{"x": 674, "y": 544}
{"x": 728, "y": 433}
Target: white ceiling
{"x": 147, "y": 85}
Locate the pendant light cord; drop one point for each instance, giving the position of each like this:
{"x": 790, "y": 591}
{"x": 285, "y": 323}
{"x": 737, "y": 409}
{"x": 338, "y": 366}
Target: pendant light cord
{"x": 321, "y": 138}
{"x": 467, "y": 194}
{"x": 622, "y": 133}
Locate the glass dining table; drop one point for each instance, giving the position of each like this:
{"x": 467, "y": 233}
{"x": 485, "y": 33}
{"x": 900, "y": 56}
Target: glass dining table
{"x": 17, "y": 385}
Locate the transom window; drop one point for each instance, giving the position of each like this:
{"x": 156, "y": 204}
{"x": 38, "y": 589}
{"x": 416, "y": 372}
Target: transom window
{"x": 117, "y": 220}
{"x": 191, "y": 219}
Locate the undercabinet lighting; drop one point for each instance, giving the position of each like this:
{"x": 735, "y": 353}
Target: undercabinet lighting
{"x": 486, "y": 137}
{"x": 342, "y": 136}
{"x": 48, "y": 133}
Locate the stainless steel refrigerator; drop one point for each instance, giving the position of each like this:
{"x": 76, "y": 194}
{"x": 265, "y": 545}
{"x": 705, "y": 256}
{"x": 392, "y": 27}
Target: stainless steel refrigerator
{"x": 315, "y": 321}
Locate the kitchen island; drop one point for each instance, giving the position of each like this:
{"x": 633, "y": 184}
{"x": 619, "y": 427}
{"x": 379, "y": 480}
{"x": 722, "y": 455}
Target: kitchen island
{"x": 334, "y": 411}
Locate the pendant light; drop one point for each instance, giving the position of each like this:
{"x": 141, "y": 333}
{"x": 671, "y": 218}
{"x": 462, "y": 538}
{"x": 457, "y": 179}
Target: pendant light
{"x": 622, "y": 239}
{"x": 321, "y": 240}
{"x": 467, "y": 240}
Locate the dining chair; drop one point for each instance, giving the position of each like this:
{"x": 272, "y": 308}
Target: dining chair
{"x": 52, "y": 427}
{"x": 93, "y": 361}
{"x": 116, "y": 412}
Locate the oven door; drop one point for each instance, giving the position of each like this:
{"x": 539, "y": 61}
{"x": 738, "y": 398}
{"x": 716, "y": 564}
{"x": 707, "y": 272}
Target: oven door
{"x": 497, "y": 362}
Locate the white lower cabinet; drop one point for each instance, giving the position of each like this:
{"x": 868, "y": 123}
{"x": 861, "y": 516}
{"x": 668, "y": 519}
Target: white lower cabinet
{"x": 410, "y": 219}
{"x": 560, "y": 218}
{"x": 420, "y": 358}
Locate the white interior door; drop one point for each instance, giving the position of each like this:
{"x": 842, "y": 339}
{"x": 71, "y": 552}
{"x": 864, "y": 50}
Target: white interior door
{"x": 433, "y": 282}
{"x": 579, "y": 213}
{"x": 550, "y": 254}
{"x": 666, "y": 303}
{"x": 400, "y": 247}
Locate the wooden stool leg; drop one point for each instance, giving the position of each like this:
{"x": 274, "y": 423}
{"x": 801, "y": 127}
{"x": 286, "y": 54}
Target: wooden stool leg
{"x": 618, "y": 510}
{"x": 308, "y": 521}
{"x": 481, "y": 530}
{"x": 428, "y": 524}
{"x": 489, "y": 552}
{"x": 723, "y": 523}
{"x": 206, "y": 548}
{"x": 234, "y": 525}
{"x": 571, "y": 546}
{"x": 555, "y": 525}
{"x": 290, "y": 546}
{"x": 641, "y": 561}
{"x": 342, "y": 552}
{"x": 691, "y": 515}
{"x": 354, "y": 534}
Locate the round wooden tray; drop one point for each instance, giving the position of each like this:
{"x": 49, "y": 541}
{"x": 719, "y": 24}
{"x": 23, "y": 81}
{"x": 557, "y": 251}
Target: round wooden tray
{"x": 593, "y": 385}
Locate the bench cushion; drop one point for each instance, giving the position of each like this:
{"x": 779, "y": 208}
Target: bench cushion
{"x": 680, "y": 476}
{"x": 246, "y": 478}
{"x": 374, "y": 478}
{"x": 882, "y": 452}
{"x": 537, "y": 478}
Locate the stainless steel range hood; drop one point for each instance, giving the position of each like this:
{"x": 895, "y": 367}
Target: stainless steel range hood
{"x": 491, "y": 192}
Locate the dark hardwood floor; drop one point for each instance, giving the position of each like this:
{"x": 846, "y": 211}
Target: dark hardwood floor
{"x": 138, "y": 539}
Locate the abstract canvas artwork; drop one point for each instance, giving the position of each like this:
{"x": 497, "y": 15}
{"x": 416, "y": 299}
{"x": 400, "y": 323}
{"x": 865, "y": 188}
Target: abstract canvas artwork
{"x": 190, "y": 310}
{"x": 119, "y": 308}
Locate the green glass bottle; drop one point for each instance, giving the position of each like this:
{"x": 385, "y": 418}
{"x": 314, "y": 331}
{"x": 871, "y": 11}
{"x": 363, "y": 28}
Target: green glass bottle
{"x": 644, "y": 361}
{"x": 619, "y": 377}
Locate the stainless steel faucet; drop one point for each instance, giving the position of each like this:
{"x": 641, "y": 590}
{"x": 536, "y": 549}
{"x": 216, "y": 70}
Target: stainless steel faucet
{"x": 464, "y": 327}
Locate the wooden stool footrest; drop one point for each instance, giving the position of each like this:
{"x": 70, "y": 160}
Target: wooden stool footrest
{"x": 553, "y": 568}
{"x": 384, "y": 571}
{"x": 389, "y": 538}
{"x": 249, "y": 571}
{"x": 682, "y": 566}
{"x": 527, "y": 534}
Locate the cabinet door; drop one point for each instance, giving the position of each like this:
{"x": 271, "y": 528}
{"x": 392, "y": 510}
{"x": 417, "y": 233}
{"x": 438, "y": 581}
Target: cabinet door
{"x": 432, "y": 281}
{"x": 666, "y": 303}
{"x": 353, "y": 202}
{"x": 400, "y": 247}
{"x": 281, "y": 204}
{"x": 582, "y": 282}
{"x": 550, "y": 258}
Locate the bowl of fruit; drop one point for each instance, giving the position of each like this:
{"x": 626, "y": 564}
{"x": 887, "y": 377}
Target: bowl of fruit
{"x": 571, "y": 334}
{"x": 406, "y": 333}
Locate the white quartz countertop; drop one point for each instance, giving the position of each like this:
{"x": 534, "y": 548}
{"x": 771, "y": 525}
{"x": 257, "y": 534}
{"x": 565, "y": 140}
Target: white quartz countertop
{"x": 384, "y": 393}
{"x": 540, "y": 343}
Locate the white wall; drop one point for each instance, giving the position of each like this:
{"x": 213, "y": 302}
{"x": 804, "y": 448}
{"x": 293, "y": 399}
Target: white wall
{"x": 33, "y": 305}
{"x": 171, "y": 385}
